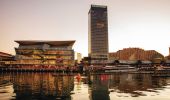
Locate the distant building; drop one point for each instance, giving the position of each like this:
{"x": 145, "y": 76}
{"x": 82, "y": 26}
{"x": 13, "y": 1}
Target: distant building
{"x": 86, "y": 61}
{"x": 79, "y": 57}
{"x": 168, "y": 57}
{"x": 54, "y": 53}
{"x": 98, "y": 34}
{"x": 136, "y": 54}
{"x": 5, "y": 58}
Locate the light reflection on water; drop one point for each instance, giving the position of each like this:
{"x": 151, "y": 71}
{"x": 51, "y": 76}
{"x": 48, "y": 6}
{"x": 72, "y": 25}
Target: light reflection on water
{"x": 51, "y": 86}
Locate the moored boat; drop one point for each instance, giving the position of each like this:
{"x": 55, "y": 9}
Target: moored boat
{"x": 119, "y": 68}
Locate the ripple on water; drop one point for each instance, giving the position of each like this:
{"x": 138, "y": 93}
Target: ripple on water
{"x": 112, "y": 87}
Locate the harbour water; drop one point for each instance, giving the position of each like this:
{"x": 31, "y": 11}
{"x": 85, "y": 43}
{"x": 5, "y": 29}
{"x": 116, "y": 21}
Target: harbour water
{"x": 52, "y": 86}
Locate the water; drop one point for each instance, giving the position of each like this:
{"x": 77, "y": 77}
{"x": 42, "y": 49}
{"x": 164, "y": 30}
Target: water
{"x": 50, "y": 86}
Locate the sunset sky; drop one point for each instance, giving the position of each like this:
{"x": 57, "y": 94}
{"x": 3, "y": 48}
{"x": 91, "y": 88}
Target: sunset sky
{"x": 131, "y": 23}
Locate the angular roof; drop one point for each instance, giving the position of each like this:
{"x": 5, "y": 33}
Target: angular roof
{"x": 99, "y": 6}
{"x": 52, "y": 43}
{"x": 3, "y": 54}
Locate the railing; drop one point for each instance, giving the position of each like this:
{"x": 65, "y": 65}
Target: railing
{"x": 39, "y": 69}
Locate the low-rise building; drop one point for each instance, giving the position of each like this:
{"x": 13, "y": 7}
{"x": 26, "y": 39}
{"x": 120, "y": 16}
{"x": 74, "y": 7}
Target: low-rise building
{"x": 5, "y": 58}
{"x": 79, "y": 57}
{"x": 135, "y": 54}
{"x": 46, "y": 53}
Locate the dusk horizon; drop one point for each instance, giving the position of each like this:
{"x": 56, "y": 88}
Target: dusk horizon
{"x": 84, "y": 49}
{"x": 143, "y": 24}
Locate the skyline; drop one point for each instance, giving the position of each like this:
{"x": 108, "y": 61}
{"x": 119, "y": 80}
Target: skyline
{"x": 131, "y": 23}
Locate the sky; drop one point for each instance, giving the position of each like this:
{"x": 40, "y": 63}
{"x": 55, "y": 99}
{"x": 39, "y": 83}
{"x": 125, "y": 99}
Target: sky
{"x": 131, "y": 23}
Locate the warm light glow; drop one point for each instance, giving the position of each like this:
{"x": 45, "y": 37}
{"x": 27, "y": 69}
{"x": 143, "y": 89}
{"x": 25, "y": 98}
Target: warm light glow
{"x": 131, "y": 23}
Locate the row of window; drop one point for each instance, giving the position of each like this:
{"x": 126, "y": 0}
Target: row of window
{"x": 42, "y": 52}
{"x": 40, "y": 62}
{"x": 44, "y": 57}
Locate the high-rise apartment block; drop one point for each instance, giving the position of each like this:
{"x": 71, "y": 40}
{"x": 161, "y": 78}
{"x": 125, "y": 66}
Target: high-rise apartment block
{"x": 98, "y": 34}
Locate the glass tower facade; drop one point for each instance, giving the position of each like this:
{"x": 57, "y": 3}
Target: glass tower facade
{"x": 98, "y": 34}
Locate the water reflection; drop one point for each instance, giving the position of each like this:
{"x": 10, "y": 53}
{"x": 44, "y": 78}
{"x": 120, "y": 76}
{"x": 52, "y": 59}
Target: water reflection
{"x": 107, "y": 87}
{"x": 99, "y": 87}
{"x": 47, "y": 86}
{"x": 43, "y": 86}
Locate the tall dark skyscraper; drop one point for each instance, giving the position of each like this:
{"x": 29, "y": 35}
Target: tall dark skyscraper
{"x": 98, "y": 34}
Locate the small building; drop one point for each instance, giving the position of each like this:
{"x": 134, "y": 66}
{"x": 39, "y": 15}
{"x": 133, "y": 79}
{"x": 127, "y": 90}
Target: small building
{"x": 46, "y": 53}
{"x": 158, "y": 59}
{"x": 79, "y": 57}
{"x": 5, "y": 58}
{"x": 137, "y": 54}
{"x": 86, "y": 61}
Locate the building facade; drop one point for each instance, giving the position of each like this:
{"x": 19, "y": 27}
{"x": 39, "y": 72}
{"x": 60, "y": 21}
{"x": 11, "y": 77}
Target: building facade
{"x": 136, "y": 54}
{"x": 98, "y": 34}
{"x": 79, "y": 57}
{"x": 47, "y": 53}
{"x": 168, "y": 57}
{"x": 5, "y": 59}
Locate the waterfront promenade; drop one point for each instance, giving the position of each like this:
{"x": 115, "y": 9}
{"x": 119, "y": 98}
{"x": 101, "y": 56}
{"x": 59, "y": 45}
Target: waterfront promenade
{"x": 87, "y": 69}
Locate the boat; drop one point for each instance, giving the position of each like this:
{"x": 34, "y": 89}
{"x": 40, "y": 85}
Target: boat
{"x": 119, "y": 68}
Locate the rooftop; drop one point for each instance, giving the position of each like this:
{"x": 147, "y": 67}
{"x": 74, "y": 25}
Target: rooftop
{"x": 99, "y": 6}
{"x": 52, "y": 43}
{"x": 2, "y": 54}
